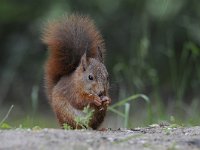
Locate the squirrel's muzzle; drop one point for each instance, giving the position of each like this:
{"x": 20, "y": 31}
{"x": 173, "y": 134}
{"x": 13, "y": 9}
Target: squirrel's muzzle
{"x": 100, "y": 94}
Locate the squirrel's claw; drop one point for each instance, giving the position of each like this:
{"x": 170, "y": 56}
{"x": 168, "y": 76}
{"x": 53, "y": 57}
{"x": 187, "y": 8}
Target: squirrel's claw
{"x": 97, "y": 102}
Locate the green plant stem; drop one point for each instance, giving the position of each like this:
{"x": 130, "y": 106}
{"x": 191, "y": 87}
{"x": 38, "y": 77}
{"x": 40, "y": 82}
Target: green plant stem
{"x": 116, "y": 111}
{"x": 126, "y": 115}
{"x": 122, "y": 102}
{"x": 6, "y": 116}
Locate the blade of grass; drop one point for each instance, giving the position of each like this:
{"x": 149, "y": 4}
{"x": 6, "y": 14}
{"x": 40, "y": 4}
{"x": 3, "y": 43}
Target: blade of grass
{"x": 6, "y": 116}
{"x": 126, "y": 115}
{"x": 116, "y": 111}
{"x": 133, "y": 97}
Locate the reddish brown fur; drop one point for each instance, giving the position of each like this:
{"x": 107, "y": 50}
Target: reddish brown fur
{"x": 67, "y": 40}
{"x": 75, "y": 101}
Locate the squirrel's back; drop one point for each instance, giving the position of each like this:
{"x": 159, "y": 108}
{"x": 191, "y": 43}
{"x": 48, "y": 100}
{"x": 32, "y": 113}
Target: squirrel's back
{"x": 68, "y": 39}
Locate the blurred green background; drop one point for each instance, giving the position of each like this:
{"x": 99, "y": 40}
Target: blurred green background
{"x": 153, "y": 47}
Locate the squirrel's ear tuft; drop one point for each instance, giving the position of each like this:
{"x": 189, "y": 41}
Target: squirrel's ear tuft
{"x": 84, "y": 61}
{"x": 100, "y": 55}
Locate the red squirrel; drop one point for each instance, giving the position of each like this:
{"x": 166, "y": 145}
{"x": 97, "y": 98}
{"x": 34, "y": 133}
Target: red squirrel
{"x": 75, "y": 74}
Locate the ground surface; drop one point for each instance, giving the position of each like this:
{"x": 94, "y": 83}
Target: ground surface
{"x": 154, "y": 137}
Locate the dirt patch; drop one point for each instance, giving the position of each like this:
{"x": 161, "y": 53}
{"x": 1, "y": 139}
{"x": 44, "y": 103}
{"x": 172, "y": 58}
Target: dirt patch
{"x": 140, "y": 138}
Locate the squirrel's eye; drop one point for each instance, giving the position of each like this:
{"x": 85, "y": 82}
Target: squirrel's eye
{"x": 90, "y": 77}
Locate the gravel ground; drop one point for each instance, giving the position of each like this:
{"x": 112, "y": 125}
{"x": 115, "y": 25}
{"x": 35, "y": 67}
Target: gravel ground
{"x": 155, "y": 137}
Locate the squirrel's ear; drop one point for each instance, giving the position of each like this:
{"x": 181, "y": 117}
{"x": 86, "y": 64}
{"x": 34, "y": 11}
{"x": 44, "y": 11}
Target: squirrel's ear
{"x": 84, "y": 61}
{"x": 100, "y": 55}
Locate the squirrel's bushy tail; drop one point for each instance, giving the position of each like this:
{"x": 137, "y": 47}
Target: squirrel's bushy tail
{"x": 67, "y": 40}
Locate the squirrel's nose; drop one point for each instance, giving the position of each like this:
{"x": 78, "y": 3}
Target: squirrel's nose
{"x": 100, "y": 93}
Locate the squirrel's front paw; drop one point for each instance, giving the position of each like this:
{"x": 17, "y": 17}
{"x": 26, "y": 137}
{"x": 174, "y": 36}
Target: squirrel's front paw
{"x": 96, "y": 100}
